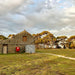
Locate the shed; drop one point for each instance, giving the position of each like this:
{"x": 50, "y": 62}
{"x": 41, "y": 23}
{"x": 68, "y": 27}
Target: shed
{"x": 19, "y": 40}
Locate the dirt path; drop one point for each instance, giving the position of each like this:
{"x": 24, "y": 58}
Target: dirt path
{"x": 59, "y": 56}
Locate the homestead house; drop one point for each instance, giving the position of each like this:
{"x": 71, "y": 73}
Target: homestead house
{"x": 61, "y": 42}
{"x": 20, "y": 40}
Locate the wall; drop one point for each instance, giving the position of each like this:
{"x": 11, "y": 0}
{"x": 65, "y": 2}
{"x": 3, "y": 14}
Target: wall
{"x": 0, "y": 48}
{"x": 12, "y": 48}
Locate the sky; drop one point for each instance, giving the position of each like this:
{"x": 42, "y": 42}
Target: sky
{"x": 35, "y": 16}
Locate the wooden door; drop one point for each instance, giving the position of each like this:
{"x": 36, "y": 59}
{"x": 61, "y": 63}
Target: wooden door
{"x": 5, "y": 49}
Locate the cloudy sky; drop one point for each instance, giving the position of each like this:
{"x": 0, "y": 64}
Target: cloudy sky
{"x": 56, "y": 16}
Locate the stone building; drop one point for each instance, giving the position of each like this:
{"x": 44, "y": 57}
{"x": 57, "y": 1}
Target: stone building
{"x": 19, "y": 40}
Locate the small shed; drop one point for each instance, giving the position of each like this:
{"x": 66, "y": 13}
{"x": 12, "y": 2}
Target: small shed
{"x": 19, "y": 41}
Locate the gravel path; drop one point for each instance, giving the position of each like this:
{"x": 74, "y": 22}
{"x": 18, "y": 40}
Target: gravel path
{"x": 59, "y": 56}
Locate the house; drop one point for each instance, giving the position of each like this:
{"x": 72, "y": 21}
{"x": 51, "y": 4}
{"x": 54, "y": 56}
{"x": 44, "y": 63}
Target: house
{"x": 62, "y": 42}
{"x": 19, "y": 41}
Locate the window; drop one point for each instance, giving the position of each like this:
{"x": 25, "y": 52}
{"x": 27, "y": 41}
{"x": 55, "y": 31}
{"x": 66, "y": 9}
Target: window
{"x": 24, "y": 38}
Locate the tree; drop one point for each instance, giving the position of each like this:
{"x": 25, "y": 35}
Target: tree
{"x": 72, "y": 44}
{"x": 70, "y": 41}
{"x": 62, "y": 37}
{"x": 71, "y": 38}
{"x": 2, "y": 37}
{"x": 40, "y": 38}
{"x": 11, "y": 35}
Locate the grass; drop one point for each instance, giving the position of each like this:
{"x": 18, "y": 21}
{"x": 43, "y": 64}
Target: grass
{"x": 64, "y": 52}
{"x": 35, "y": 64}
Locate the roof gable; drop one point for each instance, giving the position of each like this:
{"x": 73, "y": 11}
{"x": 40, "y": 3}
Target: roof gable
{"x": 18, "y": 38}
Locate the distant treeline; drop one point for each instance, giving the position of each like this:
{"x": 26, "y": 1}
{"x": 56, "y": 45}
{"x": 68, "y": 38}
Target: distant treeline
{"x": 48, "y": 38}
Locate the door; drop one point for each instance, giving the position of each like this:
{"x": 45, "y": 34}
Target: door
{"x": 5, "y": 49}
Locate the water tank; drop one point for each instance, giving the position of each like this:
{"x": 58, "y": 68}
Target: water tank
{"x": 30, "y": 48}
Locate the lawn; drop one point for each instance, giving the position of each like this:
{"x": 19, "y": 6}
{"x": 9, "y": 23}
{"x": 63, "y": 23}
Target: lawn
{"x": 35, "y": 64}
{"x": 64, "y": 52}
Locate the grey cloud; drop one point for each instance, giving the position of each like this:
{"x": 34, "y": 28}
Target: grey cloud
{"x": 21, "y": 16}
{"x": 7, "y": 6}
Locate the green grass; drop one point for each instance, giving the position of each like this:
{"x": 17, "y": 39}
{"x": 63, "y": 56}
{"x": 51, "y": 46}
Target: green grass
{"x": 35, "y": 64}
{"x": 64, "y": 52}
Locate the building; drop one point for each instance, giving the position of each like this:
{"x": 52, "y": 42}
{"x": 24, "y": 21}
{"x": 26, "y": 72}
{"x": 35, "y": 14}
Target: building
{"x": 19, "y": 41}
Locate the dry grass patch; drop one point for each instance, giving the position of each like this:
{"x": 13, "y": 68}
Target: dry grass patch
{"x": 64, "y": 52}
{"x": 35, "y": 64}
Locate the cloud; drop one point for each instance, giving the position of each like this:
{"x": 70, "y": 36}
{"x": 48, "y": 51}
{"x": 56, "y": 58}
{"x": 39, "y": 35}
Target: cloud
{"x": 12, "y": 5}
{"x": 9, "y": 18}
{"x": 64, "y": 31}
{"x": 57, "y": 16}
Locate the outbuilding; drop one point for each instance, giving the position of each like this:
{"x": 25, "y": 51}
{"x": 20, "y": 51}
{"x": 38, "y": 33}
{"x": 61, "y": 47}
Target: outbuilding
{"x": 17, "y": 43}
